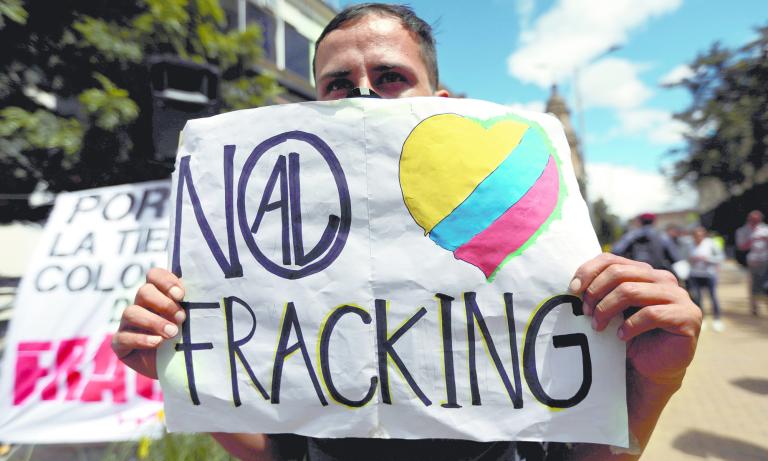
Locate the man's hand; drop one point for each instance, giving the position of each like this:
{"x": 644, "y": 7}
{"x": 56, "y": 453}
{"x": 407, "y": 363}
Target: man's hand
{"x": 661, "y": 322}
{"x": 154, "y": 317}
{"x": 661, "y": 326}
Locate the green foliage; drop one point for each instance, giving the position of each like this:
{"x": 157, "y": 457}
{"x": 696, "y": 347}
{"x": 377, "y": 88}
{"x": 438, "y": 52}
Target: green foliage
{"x": 728, "y": 116}
{"x": 40, "y": 130}
{"x": 93, "y": 56}
{"x": 176, "y": 447}
{"x": 239, "y": 93}
{"x": 109, "y": 107}
{"x": 112, "y": 42}
{"x": 13, "y": 10}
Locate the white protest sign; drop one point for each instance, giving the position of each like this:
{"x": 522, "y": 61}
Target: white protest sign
{"x": 60, "y": 381}
{"x": 386, "y": 268}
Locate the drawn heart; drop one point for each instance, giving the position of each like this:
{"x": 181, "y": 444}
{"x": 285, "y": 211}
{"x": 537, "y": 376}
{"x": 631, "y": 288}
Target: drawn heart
{"x": 483, "y": 189}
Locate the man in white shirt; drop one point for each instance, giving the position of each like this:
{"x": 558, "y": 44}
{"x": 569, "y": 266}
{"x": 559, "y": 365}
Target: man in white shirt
{"x": 752, "y": 237}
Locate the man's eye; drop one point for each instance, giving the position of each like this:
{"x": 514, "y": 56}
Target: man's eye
{"x": 338, "y": 84}
{"x": 390, "y": 77}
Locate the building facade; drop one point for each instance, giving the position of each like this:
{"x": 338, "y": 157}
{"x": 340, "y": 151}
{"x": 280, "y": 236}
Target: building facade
{"x": 290, "y": 29}
{"x": 556, "y": 106}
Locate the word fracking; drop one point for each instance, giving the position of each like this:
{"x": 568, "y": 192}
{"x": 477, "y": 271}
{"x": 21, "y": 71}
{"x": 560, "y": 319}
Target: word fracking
{"x": 386, "y": 355}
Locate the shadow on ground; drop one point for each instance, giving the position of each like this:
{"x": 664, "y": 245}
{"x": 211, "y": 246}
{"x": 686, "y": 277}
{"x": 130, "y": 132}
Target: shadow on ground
{"x": 704, "y": 444}
{"x": 748, "y": 322}
{"x": 755, "y": 385}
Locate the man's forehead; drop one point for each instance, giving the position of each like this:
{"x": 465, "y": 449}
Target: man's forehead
{"x": 374, "y": 22}
{"x": 372, "y": 29}
{"x": 382, "y": 38}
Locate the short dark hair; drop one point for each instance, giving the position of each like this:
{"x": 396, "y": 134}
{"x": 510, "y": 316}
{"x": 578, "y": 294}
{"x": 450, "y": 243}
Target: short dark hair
{"x": 407, "y": 18}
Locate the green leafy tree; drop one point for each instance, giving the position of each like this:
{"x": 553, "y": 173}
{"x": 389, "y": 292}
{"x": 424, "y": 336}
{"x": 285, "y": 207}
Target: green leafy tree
{"x": 728, "y": 116}
{"x": 92, "y": 56}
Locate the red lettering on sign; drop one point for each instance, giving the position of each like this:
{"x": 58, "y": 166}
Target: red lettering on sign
{"x": 148, "y": 388}
{"x": 52, "y": 364}
{"x": 69, "y": 356}
{"x": 28, "y": 369}
{"x": 108, "y": 376}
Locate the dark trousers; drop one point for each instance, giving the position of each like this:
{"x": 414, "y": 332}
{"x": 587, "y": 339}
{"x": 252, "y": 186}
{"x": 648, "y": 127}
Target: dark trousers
{"x": 695, "y": 286}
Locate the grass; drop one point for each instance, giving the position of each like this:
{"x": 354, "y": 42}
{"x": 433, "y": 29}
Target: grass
{"x": 171, "y": 447}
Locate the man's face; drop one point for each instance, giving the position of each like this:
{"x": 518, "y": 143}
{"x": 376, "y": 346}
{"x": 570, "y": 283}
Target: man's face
{"x": 754, "y": 218}
{"x": 374, "y": 52}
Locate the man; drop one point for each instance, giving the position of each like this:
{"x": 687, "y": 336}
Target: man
{"x": 648, "y": 245}
{"x": 389, "y": 50}
{"x": 752, "y": 237}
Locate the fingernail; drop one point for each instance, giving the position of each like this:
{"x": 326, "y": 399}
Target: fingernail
{"x": 170, "y": 330}
{"x": 154, "y": 340}
{"x": 574, "y": 286}
{"x": 594, "y": 323}
{"x": 177, "y": 293}
{"x": 587, "y": 309}
{"x": 179, "y": 316}
{"x": 620, "y": 333}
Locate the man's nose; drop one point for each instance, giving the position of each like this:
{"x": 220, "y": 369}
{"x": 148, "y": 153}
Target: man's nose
{"x": 364, "y": 82}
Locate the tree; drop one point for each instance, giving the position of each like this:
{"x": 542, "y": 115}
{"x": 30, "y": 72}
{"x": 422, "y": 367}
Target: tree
{"x": 74, "y": 86}
{"x": 607, "y": 225}
{"x": 728, "y": 116}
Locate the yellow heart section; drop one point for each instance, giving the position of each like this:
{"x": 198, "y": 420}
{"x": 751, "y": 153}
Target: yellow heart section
{"x": 444, "y": 159}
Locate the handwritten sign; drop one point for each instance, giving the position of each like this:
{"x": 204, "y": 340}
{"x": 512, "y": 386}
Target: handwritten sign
{"x": 386, "y": 268}
{"x": 61, "y": 382}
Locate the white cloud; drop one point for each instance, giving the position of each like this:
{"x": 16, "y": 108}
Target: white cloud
{"x": 613, "y": 83}
{"x": 629, "y": 191}
{"x": 658, "y": 126}
{"x": 636, "y": 121}
{"x": 530, "y": 106}
{"x": 574, "y": 32}
{"x": 676, "y": 75}
{"x": 524, "y": 9}
{"x": 668, "y": 133}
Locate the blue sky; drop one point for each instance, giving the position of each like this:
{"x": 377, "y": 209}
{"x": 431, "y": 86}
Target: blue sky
{"x": 510, "y": 51}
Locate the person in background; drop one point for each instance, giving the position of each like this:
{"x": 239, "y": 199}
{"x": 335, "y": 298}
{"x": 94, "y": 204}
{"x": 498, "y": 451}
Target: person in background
{"x": 647, "y": 244}
{"x": 752, "y": 237}
{"x": 681, "y": 238}
{"x": 705, "y": 259}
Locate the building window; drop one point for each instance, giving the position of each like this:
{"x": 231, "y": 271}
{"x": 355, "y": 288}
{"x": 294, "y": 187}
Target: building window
{"x": 296, "y": 52}
{"x": 230, "y": 10}
{"x": 266, "y": 21}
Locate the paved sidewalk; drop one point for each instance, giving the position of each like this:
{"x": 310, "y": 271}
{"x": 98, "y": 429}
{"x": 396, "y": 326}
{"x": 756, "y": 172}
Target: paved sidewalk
{"x": 721, "y": 412}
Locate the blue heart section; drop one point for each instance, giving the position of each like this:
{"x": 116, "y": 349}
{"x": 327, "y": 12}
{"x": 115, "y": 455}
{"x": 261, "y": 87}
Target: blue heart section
{"x": 496, "y": 193}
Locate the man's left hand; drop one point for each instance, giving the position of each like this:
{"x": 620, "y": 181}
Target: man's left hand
{"x": 661, "y": 323}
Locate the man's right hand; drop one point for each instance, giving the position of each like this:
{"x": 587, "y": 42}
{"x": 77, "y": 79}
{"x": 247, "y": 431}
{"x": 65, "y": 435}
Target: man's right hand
{"x": 154, "y": 317}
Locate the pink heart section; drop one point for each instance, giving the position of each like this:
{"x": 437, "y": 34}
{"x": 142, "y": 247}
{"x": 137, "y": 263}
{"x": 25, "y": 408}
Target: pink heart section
{"x": 488, "y": 249}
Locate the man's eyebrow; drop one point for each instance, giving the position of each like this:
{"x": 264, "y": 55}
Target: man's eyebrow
{"x": 387, "y": 67}
{"x": 335, "y": 74}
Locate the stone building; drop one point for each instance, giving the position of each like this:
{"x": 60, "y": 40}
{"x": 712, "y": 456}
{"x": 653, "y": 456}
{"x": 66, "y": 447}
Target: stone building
{"x": 556, "y": 105}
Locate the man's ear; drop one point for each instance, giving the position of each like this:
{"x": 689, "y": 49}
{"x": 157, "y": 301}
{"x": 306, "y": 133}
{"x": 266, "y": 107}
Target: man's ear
{"x": 443, "y": 93}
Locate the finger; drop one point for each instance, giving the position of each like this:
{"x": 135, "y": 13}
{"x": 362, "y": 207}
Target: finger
{"x": 150, "y": 297}
{"x": 631, "y": 294}
{"x": 137, "y": 351}
{"x": 125, "y": 342}
{"x": 166, "y": 282}
{"x": 588, "y": 271}
{"x": 615, "y": 274}
{"x": 684, "y": 320}
{"x": 138, "y": 318}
